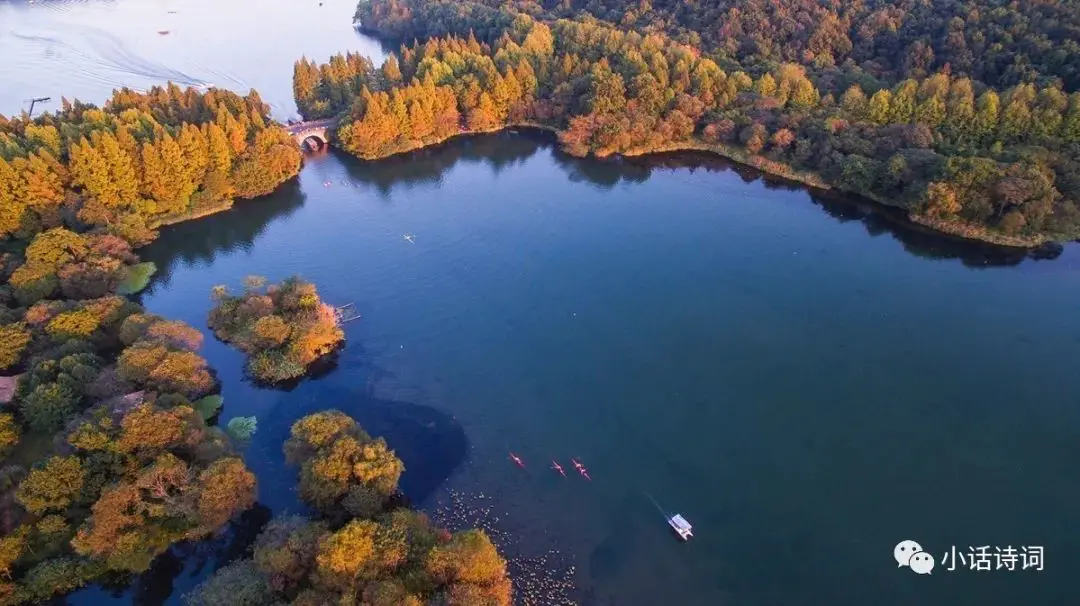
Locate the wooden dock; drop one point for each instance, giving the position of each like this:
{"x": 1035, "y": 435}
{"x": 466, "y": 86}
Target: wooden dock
{"x": 346, "y": 313}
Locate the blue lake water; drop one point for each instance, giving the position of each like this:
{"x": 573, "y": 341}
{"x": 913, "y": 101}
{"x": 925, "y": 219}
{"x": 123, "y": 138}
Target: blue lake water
{"x": 808, "y": 380}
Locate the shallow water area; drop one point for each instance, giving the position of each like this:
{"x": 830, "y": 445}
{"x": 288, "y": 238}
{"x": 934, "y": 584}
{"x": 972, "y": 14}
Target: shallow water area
{"x": 808, "y": 379}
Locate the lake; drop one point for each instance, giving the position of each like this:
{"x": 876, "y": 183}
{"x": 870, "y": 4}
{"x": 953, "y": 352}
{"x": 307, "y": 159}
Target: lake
{"x": 806, "y": 378}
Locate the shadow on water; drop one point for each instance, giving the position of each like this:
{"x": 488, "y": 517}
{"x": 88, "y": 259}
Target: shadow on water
{"x": 430, "y": 443}
{"x": 317, "y": 370}
{"x": 427, "y": 166}
{"x": 921, "y": 241}
{"x": 877, "y": 218}
{"x": 201, "y": 240}
{"x": 237, "y": 229}
{"x": 181, "y": 568}
{"x": 504, "y": 149}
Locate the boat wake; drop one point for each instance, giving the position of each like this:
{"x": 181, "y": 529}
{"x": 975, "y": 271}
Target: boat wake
{"x": 658, "y": 507}
{"x": 118, "y": 56}
{"x": 95, "y": 55}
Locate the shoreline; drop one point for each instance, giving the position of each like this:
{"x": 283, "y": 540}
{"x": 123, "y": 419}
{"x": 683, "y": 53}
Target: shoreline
{"x": 199, "y": 213}
{"x": 967, "y": 232}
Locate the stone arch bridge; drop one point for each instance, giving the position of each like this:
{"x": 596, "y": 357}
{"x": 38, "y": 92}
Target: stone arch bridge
{"x": 312, "y": 135}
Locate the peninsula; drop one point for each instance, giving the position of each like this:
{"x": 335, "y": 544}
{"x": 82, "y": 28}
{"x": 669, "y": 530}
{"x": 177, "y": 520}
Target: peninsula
{"x": 961, "y": 145}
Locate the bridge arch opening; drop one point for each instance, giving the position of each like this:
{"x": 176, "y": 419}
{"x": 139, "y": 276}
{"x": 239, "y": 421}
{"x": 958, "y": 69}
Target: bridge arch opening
{"x": 313, "y": 143}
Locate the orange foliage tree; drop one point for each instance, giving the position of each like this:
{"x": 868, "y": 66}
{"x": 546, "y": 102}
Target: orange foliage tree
{"x": 387, "y": 557}
{"x": 283, "y": 328}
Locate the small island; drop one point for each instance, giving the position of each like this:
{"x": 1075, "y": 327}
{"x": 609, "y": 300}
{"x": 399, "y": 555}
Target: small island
{"x": 283, "y": 328}
{"x": 359, "y": 547}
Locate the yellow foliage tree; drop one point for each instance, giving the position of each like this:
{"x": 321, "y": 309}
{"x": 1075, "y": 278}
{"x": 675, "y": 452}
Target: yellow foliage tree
{"x": 56, "y": 247}
{"x": 343, "y": 554}
{"x": 79, "y": 323}
{"x": 13, "y": 341}
{"x": 148, "y": 428}
{"x": 319, "y": 430}
{"x": 12, "y": 547}
{"x": 9, "y": 434}
{"x": 227, "y": 488}
{"x": 53, "y": 486}
{"x": 271, "y": 330}
{"x": 469, "y": 557}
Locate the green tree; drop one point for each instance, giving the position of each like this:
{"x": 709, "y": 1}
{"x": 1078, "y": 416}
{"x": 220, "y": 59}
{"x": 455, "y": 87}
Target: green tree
{"x": 238, "y": 584}
{"x": 48, "y": 407}
{"x": 285, "y": 551}
{"x": 930, "y": 112}
{"x": 56, "y": 576}
{"x": 1070, "y": 126}
{"x": 607, "y": 94}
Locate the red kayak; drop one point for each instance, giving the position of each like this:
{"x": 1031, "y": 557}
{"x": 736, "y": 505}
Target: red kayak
{"x": 517, "y": 459}
{"x": 581, "y": 469}
{"x": 555, "y": 465}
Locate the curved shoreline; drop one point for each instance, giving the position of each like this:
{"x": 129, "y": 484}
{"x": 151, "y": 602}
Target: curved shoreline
{"x": 954, "y": 229}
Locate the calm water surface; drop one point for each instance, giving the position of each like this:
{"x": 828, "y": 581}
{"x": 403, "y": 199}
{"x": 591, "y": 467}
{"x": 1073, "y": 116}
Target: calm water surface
{"x": 806, "y": 380}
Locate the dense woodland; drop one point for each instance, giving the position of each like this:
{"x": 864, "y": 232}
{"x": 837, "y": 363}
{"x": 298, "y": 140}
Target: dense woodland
{"x": 996, "y": 163}
{"x": 283, "y": 328}
{"x": 106, "y": 455}
{"x": 140, "y": 161}
{"x": 999, "y": 42}
{"x": 359, "y": 547}
{"x": 109, "y": 454}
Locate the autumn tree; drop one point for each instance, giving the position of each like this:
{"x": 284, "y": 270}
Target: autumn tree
{"x": 13, "y": 341}
{"x": 283, "y": 328}
{"x": 9, "y": 434}
{"x": 335, "y": 455}
{"x": 285, "y": 552}
{"x": 52, "y": 487}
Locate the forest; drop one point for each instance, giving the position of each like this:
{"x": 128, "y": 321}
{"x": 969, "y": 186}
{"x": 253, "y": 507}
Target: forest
{"x": 996, "y": 159}
{"x": 108, "y": 450}
{"x": 1001, "y": 43}
{"x": 359, "y": 546}
{"x": 141, "y": 161}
